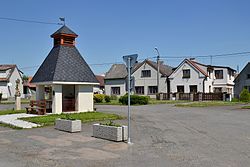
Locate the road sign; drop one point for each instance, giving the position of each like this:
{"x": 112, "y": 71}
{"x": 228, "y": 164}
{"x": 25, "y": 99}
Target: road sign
{"x": 130, "y": 61}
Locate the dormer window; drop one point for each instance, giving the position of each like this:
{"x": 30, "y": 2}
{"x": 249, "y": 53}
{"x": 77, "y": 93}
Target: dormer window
{"x": 145, "y": 73}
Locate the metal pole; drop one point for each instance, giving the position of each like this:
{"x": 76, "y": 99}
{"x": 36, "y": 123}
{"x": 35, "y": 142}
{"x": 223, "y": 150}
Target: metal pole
{"x": 158, "y": 70}
{"x": 129, "y": 64}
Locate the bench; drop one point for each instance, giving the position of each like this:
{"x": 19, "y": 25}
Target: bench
{"x": 36, "y": 107}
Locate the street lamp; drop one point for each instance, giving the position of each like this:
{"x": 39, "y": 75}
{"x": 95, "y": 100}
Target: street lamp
{"x": 158, "y": 70}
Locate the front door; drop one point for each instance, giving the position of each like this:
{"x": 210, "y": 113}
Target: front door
{"x": 68, "y": 92}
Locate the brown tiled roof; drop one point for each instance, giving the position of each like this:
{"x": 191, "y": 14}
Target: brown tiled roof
{"x": 100, "y": 79}
{"x": 3, "y": 79}
{"x": 193, "y": 63}
{"x": 5, "y": 67}
{"x": 27, "y": 83}
{"x": 119, "y": 71}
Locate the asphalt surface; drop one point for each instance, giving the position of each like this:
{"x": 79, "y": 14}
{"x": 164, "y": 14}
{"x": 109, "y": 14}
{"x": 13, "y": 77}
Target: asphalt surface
{"x": 163, "y": 135}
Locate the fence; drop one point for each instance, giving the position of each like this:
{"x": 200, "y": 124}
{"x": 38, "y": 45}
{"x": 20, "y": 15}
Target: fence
{"x": 192, "y": 96}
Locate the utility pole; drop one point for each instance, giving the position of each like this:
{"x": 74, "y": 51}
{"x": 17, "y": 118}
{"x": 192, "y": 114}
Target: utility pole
{"x": 158, "y": 70}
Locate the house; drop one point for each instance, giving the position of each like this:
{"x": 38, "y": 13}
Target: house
{"x": 99, "y": 89}
{"x": 64, "y": 78}
{"x": 29, "y": 89}
{"x": 144, "y": 82}
{"x": 242, "y": 80}
{"x": 9, "y": 74}
{"x": 191, "y": 76}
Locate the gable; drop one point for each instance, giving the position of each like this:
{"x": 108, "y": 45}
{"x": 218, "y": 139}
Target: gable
{"x": 243, "y": 74}
{"x": 144, "y": 66}
{"x": 184, "y": 66}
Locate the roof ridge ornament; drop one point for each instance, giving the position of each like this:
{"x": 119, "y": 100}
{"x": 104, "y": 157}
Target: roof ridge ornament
{"x": 62, "y": 19}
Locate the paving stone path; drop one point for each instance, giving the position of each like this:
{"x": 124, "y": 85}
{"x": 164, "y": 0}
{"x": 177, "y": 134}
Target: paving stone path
{"x": 12, "y": 119}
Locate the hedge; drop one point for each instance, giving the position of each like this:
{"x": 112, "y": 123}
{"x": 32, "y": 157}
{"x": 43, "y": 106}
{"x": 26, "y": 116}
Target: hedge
{"x": 134, "y": 99}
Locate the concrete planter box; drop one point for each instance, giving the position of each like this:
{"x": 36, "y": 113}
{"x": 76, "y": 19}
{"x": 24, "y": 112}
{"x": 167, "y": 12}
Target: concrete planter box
{"x": 110, "y": 132}
{"x": 68, "y": 125}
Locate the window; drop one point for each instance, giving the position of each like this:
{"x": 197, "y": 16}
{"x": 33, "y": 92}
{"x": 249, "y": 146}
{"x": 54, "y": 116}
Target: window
{"x": 186, "y": 74}
{"x": 115, "y": 90}
{"x": 193, "y": 88}
{"x": 145, "y": 73}
{"x": 218, "y": 90}
{"x": 152, "y": 89}
{"x": 218, "y": 74}
{"x": 248, "y": 76}
{"x": 180, "y": 89}
{"x": 139, "y": 90}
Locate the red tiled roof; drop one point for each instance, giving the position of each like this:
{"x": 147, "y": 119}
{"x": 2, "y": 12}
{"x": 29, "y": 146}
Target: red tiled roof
{"x": 100, "y": 79}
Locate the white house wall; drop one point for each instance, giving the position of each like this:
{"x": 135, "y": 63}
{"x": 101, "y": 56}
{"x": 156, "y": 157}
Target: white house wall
{"x": 9, "y": 90}
{"x": 115, "y": 83}
{"x": 84, "y": 98}
{"x": 4, "y": 90}
{"x": 149, "y": 81}
{"x": 196, "y": 78}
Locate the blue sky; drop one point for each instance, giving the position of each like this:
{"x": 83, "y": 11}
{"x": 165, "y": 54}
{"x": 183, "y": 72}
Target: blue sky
{"x": 112, "y": 28}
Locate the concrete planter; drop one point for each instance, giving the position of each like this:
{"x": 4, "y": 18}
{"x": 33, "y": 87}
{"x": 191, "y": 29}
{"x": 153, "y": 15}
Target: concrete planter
{"x": 110, "y": 132}
{"x": 68, "y": 125}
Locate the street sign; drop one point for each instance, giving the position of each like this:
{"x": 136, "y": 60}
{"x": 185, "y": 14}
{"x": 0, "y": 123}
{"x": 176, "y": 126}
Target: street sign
{"x": 132, "y": 58}
{"x": 130, "y": 61}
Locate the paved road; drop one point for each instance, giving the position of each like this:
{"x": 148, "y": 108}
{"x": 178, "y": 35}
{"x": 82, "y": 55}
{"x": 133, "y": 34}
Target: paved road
{"x": 11, "y": 106}
{"x": 163, "y": 135}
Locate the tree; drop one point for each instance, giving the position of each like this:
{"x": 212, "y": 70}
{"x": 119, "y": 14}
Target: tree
{"x": 244, "y": 95}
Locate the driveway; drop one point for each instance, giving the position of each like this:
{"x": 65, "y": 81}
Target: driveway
{"x": 163, "y": 135}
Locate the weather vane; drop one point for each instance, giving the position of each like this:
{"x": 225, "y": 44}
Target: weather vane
{"x": 62, "y": 19}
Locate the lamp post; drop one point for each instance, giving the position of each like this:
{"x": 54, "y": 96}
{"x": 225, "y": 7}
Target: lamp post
{"x": 158, "y": 70}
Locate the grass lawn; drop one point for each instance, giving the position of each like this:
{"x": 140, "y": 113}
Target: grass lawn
{"x": 245, "y": 107}
{"x": 5, "y": 112}
{"x": 10, "y": 126}
{"x": 48, "y": 120}
{"x": 151, "y": 101}
{"x": 208, "y": 104}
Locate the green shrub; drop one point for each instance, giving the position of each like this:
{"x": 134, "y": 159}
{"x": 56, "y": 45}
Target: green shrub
{"x": 235, "y": 99}
{"x": 113, "y": 97}
{"x": 134, "y": 99}
{"x": 98, "y": 98}
{"x": 244, "y": 95}
{"x": 107, "y": 98}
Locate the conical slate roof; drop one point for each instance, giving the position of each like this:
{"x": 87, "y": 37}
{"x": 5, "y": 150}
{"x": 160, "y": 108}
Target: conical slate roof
{"x": 64, "y": 30}
{"x": 64, "y": 64}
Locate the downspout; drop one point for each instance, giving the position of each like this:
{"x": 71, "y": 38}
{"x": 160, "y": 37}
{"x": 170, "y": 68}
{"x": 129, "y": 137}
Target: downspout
{"x": 204, "y": 84}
